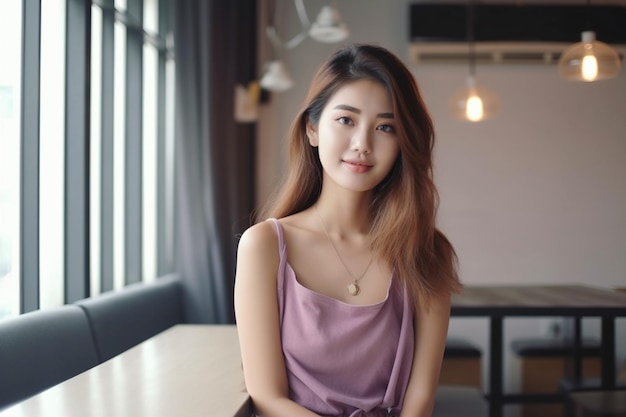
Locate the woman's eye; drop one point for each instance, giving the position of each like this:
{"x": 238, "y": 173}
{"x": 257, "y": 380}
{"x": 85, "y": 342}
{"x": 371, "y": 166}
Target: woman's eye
{"x": 386, "y": 128}
{"x": 344, "y": 120}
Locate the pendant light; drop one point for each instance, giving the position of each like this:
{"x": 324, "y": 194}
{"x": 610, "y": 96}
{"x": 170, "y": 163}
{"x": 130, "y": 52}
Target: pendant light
{"x": 589, "y": 60}
{"x": 474, "y": 102}
{"x": 328, "y": 27}
{"x": 277, "y": 77}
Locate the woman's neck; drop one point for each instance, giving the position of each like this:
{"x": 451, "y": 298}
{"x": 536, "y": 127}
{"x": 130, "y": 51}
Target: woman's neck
{"x": 345, "y": 214}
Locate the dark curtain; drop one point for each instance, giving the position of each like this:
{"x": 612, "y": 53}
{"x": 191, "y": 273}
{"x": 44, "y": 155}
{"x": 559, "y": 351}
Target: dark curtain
{"x": 215, "y": 44}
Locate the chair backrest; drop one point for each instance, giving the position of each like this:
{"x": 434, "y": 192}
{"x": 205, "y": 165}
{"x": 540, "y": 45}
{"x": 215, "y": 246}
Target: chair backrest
{"x": 461, "y": 348}
{"x": 41, "y": 349}
{"x": 122, "y": 319}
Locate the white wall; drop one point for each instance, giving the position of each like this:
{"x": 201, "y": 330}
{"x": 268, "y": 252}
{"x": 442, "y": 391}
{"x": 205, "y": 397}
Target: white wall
{"x": 536, "y": 195}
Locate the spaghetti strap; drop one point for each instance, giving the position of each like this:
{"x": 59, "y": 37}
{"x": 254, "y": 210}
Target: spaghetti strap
{"x": 282, "y": 267}
{"x": 281, "y": 239}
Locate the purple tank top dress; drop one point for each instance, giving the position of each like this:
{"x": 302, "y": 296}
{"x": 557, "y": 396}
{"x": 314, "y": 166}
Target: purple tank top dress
{"x": 341, "y": 359}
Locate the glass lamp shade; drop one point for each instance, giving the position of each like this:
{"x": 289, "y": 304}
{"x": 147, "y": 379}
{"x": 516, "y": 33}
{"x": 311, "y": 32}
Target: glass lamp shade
{"x": 474, "y": 102}
{"x": 328, "y": 27}
{"x": 277, "y": 78}
{"x": 589, "y": 60}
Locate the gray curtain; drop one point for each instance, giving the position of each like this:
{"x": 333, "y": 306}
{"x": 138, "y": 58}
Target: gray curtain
{"x": 215, "y": 44}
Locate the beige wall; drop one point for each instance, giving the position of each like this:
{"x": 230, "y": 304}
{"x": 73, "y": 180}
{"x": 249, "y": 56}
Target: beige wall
{"x": 537, "y": 194}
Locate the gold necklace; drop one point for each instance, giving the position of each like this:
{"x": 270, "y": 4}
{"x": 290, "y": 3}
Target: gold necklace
{"x": 352, "y": 288}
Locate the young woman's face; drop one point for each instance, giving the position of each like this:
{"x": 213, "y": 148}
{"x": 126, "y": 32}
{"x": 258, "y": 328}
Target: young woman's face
{"x": 356, "y": 136}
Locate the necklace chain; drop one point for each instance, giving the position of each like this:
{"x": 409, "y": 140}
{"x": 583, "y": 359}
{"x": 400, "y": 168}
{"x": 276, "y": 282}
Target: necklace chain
{"x": 353, "y": 288}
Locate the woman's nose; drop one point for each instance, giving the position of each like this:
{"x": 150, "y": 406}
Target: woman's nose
{"x": 361, "y": 141}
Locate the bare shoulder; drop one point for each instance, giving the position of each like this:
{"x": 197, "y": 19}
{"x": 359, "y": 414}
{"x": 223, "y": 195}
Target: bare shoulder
{"x": 259, "y": 236}
{"x": 256, "y": 274}
{"x": 257, "y": 254}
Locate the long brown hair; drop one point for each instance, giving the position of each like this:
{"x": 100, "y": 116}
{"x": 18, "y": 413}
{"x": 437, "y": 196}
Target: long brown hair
{"x": 403, "y": 230}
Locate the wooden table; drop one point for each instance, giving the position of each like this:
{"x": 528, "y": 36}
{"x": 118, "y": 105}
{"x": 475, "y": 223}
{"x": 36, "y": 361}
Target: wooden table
{"x": 186, "y": 371}
{"x": 574, "y": 301}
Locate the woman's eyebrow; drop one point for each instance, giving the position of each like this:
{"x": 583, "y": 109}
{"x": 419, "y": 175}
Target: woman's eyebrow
{"x": 349, "y": 108}
{"x": 358, "y": 111}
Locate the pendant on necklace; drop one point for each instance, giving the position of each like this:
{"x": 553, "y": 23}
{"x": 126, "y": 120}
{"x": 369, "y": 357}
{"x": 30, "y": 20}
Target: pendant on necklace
{"x": 353, "y": 289}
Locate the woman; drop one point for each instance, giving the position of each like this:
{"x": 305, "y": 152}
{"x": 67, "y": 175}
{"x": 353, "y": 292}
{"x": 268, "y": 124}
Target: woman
{"x": 342, "y": 293}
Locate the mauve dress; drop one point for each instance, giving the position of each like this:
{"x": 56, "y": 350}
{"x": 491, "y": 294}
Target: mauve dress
{"x": 342, "y": 359}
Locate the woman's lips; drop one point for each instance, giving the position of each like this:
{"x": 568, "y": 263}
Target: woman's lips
{"x": 358, "y": 166}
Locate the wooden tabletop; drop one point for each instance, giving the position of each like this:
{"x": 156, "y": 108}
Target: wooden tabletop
{"x": 186, "y": 371}
{"x": 536, "y": 300}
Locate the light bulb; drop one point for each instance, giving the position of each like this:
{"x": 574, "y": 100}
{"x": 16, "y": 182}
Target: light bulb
{"x": 590, "y": 68}
{"x": 474, "y": 102}
{"x": 474, "y": 108}
{"x": 589, "y": 60}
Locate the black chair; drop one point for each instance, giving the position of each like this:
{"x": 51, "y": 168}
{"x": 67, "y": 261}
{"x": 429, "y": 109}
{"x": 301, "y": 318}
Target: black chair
{"x": 122, "y": 319}
{"x": 41, "y": 349}
{"x": 544, "y": 363}
{"x": 461, "y": 363}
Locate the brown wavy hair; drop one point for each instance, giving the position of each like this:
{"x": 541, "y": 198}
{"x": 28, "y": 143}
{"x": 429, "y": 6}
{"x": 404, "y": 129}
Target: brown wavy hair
{"x": 405, "y": 203}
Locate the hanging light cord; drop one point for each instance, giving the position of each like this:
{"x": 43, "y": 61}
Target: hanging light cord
{"x": 470, "y": 38}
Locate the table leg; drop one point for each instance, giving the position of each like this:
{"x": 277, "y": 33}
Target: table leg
{"x": 608, "y": 352}
{"x": 573, "y": 363}
{"x": 496, "y": 369}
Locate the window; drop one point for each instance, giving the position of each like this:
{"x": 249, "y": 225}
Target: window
{"x": 95, "y": 163}
{"x": 150, "y": 139}
{"x": 10, "y": 104}
{"x": 52, "y": 155}
{"x": 86, "y": 168}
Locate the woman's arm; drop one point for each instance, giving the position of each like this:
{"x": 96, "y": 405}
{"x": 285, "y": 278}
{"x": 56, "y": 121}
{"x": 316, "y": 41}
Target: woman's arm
{"x": 431, "y": 330}
{"x": 256, "y": 311}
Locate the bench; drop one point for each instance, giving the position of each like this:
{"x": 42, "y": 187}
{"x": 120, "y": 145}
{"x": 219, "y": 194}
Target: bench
{"x": 122, "y": 319}
{"x": 41, "y": 349}
{"x": 45, "y": 347}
